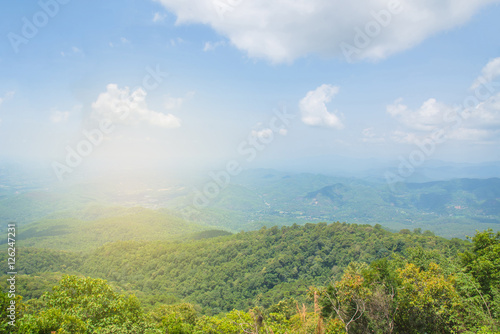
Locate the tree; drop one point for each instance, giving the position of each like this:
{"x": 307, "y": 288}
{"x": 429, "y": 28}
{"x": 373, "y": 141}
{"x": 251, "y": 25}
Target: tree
{"x": 347, "y": 298}
{"x": 85, "y": 305}
{"x": 427, "y": 299}
{"x": 10, "y": 309}
{"x": 482, "y": 263}
{"x": 176, "y": 319}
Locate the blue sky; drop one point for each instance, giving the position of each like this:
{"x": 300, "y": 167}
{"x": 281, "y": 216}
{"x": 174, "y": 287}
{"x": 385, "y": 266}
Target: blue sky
{"x": 368, "y": 79}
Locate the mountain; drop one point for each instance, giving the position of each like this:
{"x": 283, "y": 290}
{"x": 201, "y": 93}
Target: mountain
{"x": 97, "y": 225}
{"x": 375, "y": 169}
{"x": 235, "y": 271}
{"x": 256, "y": 198}
{"x": 265, "y": 197}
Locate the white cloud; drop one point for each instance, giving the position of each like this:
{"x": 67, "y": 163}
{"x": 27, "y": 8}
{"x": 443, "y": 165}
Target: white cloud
{"x": 480, "y": 123}
{"x": 123, "y": 106}
{"x": 369, "y": 136}
{"x": 430, "y": 116}
{"x": 123, "y": 41}
{"x": 173, "y": 102}
{"x": 313, "y": 107}
{"x": 474, "y": 135}
{"x": 282, "y": 31}
{"x": 59, "y": 116}
{"x": 485, "y": 115}
{"x": 210, "y": 46}
{"x": 416, "y": 125}
{"x": 406, "y": 137}
{"x": 7, "y": 96}
{"x": 176, "y": 41}
{"x": 158, "y": 17}
{"x": 263, "y": 134}
{"x": 177, "y": 102}
{"x": 74, "y": 51}
{"x": 368, "y": 133}
{"x": 489, "y": 73}
{"x": 267, "y": 134}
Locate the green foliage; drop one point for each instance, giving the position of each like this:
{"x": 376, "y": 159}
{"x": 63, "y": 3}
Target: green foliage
{"x": 482, "y": 270}
{"x": 209, "y": 234}
{"x": 411, "y": 293}
{"x": 427, "y": 300}
{"x": 33, "y": 286}
{"x": 84, "y": 305}
{"x": 346, "y": 299}
{"x": 10, "y": 313}
{"x": 232, "y": 322}
{"x": 483, "y": 262}
{"x": 286, "y": 308}
{"x": 176, "y": 319}
{"x": 53, "y": 320}
{"x": 96, "y": 227}
{"x": 260, "y": 282}
{"x": 237, "y": 271}
{"x": 35, "y": 260}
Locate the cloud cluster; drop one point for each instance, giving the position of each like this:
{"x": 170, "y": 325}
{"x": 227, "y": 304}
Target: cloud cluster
{"x": 489, "y": 73}
{"x": 282, "y": 31}
{"x": 126, "y": 107}
{"x": 429, "y": 117}
{"x": 477, "y": 119}
{"x": 314, "y": 111}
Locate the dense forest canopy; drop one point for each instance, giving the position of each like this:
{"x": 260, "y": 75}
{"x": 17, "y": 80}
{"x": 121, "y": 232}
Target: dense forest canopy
{"x": 97, "y": 267}
{"x": 317, "y": 278}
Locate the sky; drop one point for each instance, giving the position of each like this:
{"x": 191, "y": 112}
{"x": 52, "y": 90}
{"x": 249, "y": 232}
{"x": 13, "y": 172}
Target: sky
{"x": 179, "y": 83}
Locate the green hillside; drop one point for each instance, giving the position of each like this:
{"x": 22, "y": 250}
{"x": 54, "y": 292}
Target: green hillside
{"x": 297, "y": 279}
{"x": 257, "y": 198}
{"x": 235, "y": 271}
{"x": 98, "y": 225}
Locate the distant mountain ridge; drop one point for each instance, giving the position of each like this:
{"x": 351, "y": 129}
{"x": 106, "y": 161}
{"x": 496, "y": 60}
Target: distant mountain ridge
{"x": 266, "y": 197}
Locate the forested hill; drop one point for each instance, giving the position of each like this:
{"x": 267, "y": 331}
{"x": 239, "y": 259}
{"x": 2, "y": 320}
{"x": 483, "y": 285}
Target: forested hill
{"x": 237, "y": 271}
{"x": 452, "y": 208}
{"x": 261, "y": 197}
{"x": 95, "y": 226}
{"x": 318, "y": 278}
{"x": 252, "y": 267}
